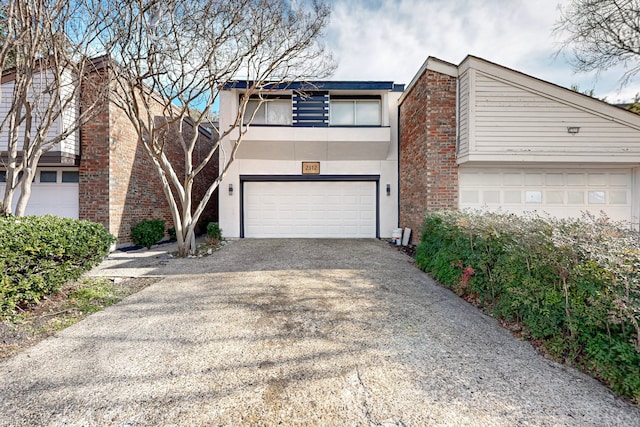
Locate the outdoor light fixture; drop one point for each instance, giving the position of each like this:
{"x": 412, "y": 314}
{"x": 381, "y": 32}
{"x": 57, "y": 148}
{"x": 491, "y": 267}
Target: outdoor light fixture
{"x": 231, "y": 189}
{"x": 388, "y": 189}
{"x": 573, "y": 130}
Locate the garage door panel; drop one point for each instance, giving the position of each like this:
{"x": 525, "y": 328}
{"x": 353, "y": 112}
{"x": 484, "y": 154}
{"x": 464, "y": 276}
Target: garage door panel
{"x": 562, "y": 193}
{"x": 51, "y": 198}
{"x": 310, "y": 209}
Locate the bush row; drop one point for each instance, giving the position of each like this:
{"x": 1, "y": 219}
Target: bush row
{"x": 39, "y": 254}
{"x": 572, "y": 285}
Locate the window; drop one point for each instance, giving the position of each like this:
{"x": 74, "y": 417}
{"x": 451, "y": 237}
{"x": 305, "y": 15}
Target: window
{"x": 70, "y": 176}
{"x": 533, "y": 196}
{"x": 354, "y": 112}
{"x": 272, "y": 111}
{"x": 3, "y": 176}
{"x": 48, "y": 176}
{"x": 597, "y": 198}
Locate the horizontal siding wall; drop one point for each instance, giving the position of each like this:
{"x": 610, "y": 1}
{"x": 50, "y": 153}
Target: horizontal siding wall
{"x": 511, "y": 120}
{"x": 68, "y": 117}
{"x": 463, "y": 115}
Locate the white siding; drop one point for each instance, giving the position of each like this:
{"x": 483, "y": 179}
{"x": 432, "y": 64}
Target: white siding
{"x": 524, "y": 120}
{"x": 67, "y": 118}
{"x": 70, "y": 115}
{"x": 463, "y": 115}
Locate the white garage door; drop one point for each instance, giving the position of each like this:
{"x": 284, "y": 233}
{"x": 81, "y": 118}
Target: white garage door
{"x": 53, "y": 192}
{"x": 310, "y": 209}
{"x": 560, "y": 192}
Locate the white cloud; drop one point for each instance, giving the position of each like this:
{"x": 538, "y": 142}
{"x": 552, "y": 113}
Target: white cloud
{"x": 390, "y": 39}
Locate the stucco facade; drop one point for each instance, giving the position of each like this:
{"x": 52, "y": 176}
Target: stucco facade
{"x": 267, "y": 193}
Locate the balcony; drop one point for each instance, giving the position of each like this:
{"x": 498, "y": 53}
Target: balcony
{"x": 317, "y": 143}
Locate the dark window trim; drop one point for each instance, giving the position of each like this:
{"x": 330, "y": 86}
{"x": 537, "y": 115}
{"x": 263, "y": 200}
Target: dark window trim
{"x": 355, "y": 100}
{"x": 354, "y": 97}
{"x": 50, "y": 173}
{"x": 309, "y": 178}
{"x": 266, "y": 97}
{"x": 76, "y": 175}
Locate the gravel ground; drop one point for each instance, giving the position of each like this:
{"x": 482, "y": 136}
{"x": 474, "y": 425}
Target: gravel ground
{"x": 294, "y": 332}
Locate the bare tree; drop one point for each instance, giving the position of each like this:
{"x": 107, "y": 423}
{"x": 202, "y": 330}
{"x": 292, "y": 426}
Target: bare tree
{"x": 44, "y": 58}
{"x": 601, "y": 34}
{"x": 173, "y": 59}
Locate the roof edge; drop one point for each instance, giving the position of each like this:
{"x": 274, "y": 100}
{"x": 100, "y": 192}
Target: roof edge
{"x": 432, "y": 64}
{"x": 317, "y": 85}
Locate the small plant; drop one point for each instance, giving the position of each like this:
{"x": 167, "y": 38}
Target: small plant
{"x": 148, "y": 232}
{"x": 171, "y": 231}
{"x": 214, "y": 232}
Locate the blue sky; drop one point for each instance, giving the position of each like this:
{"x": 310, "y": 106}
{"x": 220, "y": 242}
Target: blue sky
{"x": 390, "y": 39}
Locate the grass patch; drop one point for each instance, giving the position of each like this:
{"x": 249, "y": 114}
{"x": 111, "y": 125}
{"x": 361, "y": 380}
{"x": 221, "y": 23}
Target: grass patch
{"x": 74, "y": 302}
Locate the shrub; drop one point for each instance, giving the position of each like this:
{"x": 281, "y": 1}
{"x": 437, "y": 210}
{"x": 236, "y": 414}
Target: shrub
{"x": 573, "y": 285}
{"x": 39, "y": 254}
{"x": 213, "y": 231}
{"x": 171, "y": 231}
{"x": 148, "y": 232}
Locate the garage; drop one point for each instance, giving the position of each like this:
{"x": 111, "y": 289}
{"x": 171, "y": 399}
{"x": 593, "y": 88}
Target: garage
{"x": 53, "y": 191}
{"x": 310, "y": 208}
{"x": 560, "y": 191}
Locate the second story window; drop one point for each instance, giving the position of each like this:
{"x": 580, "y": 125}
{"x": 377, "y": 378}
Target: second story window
{"x": 270, "y": 111}
{"x": 355, "y": 112}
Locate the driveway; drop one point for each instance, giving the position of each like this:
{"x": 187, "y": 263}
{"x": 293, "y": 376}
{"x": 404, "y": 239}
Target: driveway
{"x": 294, "y": 332}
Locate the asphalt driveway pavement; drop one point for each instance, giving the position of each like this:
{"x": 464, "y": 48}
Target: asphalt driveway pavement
{"x": 294, "y": 332}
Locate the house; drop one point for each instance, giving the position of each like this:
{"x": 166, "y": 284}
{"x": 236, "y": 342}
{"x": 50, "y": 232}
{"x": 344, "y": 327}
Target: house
{"x": 319, "y": 160}
{"x": 479, "y": 135}
{"x": 100, "y": 172}
{"x": 354, "y": 159}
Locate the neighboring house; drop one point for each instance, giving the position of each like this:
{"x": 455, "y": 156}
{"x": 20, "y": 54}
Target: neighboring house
{"x": 319, "y": 160}
{"x": 101, "y": 173}
{"x": 480, "y": 135}
{"x": 58, "y": 166}
{"x": 358, "y": 159}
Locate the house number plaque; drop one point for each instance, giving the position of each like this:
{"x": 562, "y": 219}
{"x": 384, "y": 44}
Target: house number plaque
{"x": 310, "y": 168}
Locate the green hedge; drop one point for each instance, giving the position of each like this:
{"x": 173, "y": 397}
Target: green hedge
{"x": 148, "y": 232}
{"x": 39, "y": 254}
{"x": 573, "y": 285}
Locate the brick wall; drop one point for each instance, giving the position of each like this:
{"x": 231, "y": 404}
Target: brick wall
{"x": 205, "y": 178}
{"x": 428, "y": 169}
{"x": 134, "y": 185}
{"x": 119, "y": 185}
{"x": 93, "y": 183}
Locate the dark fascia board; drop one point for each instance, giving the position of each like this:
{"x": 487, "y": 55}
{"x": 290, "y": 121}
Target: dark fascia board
{"x": 269, "y": 178}
{"x": 203, "y": 129}
{"x": 320, "y": 85}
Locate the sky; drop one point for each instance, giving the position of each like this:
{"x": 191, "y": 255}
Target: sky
{"x": 389, "y": 40}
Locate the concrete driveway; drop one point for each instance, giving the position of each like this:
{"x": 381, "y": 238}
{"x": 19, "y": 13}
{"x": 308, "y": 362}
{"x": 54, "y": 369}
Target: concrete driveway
{"x": 294, "y": 332}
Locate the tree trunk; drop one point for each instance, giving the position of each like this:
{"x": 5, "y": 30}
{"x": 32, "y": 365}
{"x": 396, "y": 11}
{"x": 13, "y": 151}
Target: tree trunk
{"x": 25, "y": 190}
{"x": 7, "y": 200}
